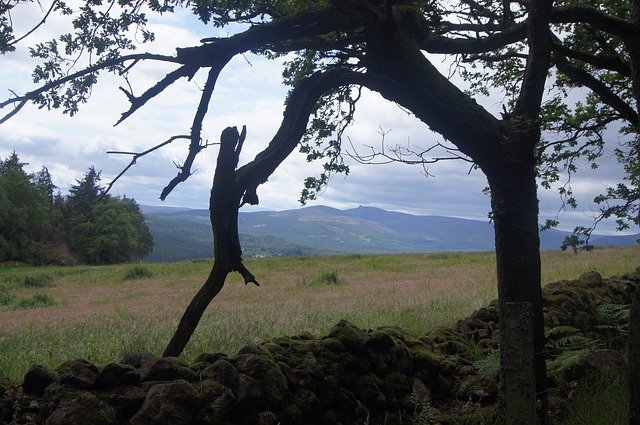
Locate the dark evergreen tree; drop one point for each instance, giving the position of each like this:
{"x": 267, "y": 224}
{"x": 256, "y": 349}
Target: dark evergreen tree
{"x": 25, "y": 224}
{"x": 104, "y": 229}
{"x": 85, "y": 193}
{"x": 43, "y": 179}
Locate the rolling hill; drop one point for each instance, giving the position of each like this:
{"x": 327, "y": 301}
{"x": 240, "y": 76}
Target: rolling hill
{"x": 319, "y": 230}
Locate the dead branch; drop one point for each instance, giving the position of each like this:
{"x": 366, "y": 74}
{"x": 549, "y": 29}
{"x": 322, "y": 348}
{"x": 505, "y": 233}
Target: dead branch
{"x": 196, "y": 130}
{"x": 136, "y": 156}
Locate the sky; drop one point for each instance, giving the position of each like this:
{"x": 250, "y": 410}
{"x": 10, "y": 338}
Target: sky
{"x": 249, "y": 92}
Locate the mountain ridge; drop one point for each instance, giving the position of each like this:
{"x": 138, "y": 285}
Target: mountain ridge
{"x": 322, "y": 230}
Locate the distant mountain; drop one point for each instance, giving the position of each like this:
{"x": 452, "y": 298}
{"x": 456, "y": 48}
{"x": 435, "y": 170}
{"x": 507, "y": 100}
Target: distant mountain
{"x": 321, "y": 230}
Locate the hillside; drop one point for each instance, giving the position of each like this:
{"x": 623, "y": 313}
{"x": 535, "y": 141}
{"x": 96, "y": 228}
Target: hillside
{"x": 320, "y": 230}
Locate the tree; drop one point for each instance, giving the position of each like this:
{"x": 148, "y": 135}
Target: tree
{"x": 104, "y": 229}
{"x": 85, "y": 193}
{"x": 595, "y": 59}
{"x": 43, "y": 179}
{"x": 341, "y": 46}
{"x": 25, "y": 224}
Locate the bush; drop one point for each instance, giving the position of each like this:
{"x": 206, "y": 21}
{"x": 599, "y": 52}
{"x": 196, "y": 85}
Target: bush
{"x": 37, "y": 300}
{"x": 138, "y": 272}
{"x": 37, "y": 281}
{"x": 330, "y": 278}
{"x": 6, "y": 299}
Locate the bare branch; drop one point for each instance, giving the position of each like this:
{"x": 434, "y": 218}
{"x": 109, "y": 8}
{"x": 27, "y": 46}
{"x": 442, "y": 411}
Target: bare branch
{"x": 196, "y": 130}
{"x": 170, "y": 78}
{"x": 515, "y": 33}
{"x": 409, "y": 154}
{"x": 38, "y": 25}
{"x": 137, "y": 155}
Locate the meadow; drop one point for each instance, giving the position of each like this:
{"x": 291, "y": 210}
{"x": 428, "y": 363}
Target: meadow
{"x": 102, "y": 313}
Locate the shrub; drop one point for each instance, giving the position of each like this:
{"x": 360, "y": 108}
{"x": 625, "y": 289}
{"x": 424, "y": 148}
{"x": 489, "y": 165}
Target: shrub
{"x": 138, "y": 272}
{"x": 37, "y": 300}
{"x": 37, "y": 281}
{"x": 329, "y": 278}
{"x": 6, "y": 299}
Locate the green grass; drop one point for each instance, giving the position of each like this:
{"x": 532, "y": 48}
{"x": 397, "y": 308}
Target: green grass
{"x": 36, "y": 300}
{"x": 37, "y": 281}
{"x": 6, "y": 299}
{"x": 329, "y": 278}
{"x": 602, "y": 400}
{"x": 138, "y": 272}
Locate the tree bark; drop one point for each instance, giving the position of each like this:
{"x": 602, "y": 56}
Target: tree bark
{"x": 634, "y": 360}
{"x": 194, "y": 311}
{"x": 514, "y": 206}
{"x": 223, "y": 211}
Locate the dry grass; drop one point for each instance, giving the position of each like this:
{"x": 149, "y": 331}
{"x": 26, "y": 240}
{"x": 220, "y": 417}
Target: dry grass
{"x": 101, "y": 316}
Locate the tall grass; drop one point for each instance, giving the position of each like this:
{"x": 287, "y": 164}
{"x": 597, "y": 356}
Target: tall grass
{"x": 102, "y": 317}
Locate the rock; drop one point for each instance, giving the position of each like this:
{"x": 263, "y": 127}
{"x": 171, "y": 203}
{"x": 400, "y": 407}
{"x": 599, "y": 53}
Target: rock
{"x": 267, "y": 418}
{"x": 187, "y": 374}
{"x": 249, "y": 393}
{"x": 596, "y": 363}
{"x": 210, "y": 357}
{"x": 159, "y": 369}
{"x": 83, "y": 409}
{"x": 349, "y": 335}
{"x": 79, "y": 374}
{"x": 379, "y": 341}
{"x": 37, "y": 379}
{"x": 591, "y": 278}
{"x": 116, "y": 374}
{"x": 136, "y": 360}
{"x": 217, "y": 402}
{"x": 253, "y": 365}
{"x": 368, "y": 391}
{"x": 126, "y": 400}
{"x": 172, "y": 403}
{"x": 275, "y": 387}
{"x": 223, "y": 372}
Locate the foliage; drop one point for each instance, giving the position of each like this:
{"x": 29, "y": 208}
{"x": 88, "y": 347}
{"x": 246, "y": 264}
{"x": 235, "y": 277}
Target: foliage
{"x": 601, "y": 400}
{"x": 327, "y": 278}
{"x": 24, "y": 214}
{"x": 37, "y": 281}
{"x": 6, "y": 299}
{"x": 36, "y": 300}
{"x": 33, "y": 221}
{"x": 488, "y": 366}
{"x": 138, "y": 272}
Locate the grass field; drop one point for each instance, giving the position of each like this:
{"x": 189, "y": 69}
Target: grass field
{"x": 52, "y": 314}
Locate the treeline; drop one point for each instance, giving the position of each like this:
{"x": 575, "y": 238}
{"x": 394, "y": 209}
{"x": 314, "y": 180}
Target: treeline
{"x": 39, "y": 225}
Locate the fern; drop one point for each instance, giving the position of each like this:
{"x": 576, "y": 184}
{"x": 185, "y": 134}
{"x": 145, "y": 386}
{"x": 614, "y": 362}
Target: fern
{"x": 488, "y": 366}
{"x": 559, "y": 331}
{"x": 613, "y": 314}
{"x": 571, "y": 342}
{"x": 567, "y": 360}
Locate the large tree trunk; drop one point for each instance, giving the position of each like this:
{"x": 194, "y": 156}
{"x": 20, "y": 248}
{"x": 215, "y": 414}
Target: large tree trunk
{"x": 223, "y": 210}
{"x": 514, "y": 205}
{"x": 194, "y": 311}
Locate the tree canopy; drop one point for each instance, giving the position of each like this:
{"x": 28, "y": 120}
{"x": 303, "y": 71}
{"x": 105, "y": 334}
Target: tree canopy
{"x": 37, "y": 226}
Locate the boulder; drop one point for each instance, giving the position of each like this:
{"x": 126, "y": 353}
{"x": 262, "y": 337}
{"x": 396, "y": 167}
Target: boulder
{"x": 79, "y": 374}
{"x": 172, "y": 403}
{"x": 37, "y": 379}
{"x": 83, "y": 409}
